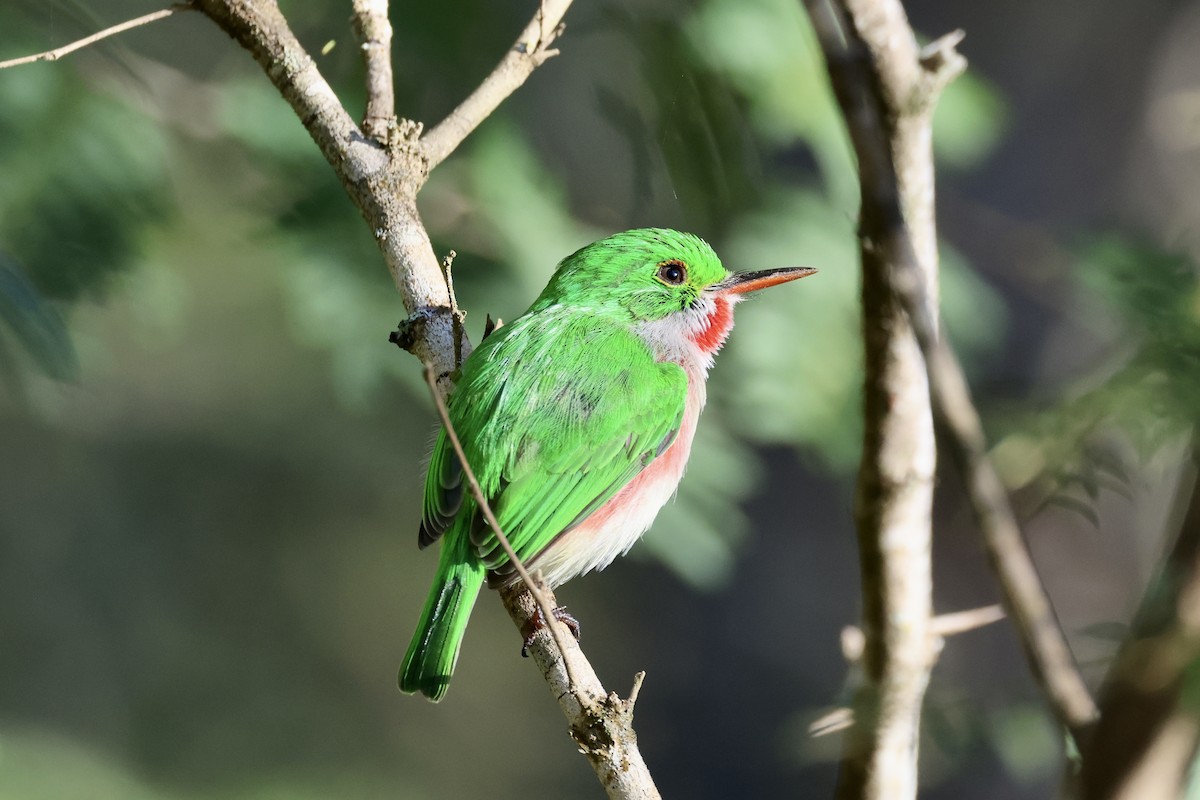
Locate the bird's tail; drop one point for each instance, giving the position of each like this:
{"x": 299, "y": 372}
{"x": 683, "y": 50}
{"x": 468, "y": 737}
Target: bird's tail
{"x": 429, "y": 662}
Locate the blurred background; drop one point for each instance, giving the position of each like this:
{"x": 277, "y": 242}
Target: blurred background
{"x": 212, "y": 457}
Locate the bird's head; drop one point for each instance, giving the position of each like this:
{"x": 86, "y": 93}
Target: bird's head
{"x": 661, "y": 278}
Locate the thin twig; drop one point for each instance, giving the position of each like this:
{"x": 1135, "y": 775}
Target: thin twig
{"x": 853, "y": 643}
{"x": 534, "y": 587}
{"x": 954, "y": 623}
{"x": 1024, "y": 596}
{"x": 459, "y": 332}
{"x": 374, "y": 32}
{"x": 59, "y": 52}
{"x": 530, "y": 51}
{"x": 601, "y": 724}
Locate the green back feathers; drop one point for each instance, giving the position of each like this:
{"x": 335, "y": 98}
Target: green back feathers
{"x": 554, "y": 422}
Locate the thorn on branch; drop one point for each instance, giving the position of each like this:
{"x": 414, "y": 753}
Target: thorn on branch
{"x": 638, "y": 678}
{"x": 945, "y": 625}
{"x": 940, "y": 51}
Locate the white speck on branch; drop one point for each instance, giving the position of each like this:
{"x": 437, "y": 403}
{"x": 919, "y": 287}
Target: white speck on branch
{"x": 59, "y": 52}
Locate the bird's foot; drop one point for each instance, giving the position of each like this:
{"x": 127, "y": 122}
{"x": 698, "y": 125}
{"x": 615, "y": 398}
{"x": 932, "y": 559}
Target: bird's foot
{"x": 537, "y": 622}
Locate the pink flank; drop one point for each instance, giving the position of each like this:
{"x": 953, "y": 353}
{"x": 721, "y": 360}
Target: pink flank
{"x": 614, "y": 527}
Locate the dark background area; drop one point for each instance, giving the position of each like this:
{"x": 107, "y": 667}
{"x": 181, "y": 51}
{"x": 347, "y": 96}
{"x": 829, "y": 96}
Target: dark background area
{"x": 212, "y": 458}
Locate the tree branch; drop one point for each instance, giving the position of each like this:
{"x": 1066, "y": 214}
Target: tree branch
{"x": 59, "y": 52}
{"x": 878, "y": 110}
{"x": 374, "y": 32}
{"x": 601, "y": 723}
{"x": 530, "y": 51}
{"x": 1145, "y": 742}
{"x": 874, "y": 66}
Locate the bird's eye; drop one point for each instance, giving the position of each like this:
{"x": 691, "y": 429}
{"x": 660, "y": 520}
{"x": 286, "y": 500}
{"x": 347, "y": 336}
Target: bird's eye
{"x": 672, "y": 272}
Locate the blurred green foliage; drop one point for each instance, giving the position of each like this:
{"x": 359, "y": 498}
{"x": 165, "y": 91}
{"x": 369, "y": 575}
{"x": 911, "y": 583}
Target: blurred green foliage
{"x": 71, "y": 218}
{"x": 1124, "y": 414}
{"x": 74, "y": 214}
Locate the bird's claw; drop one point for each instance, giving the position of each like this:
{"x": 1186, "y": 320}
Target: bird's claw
{"x": 538, "y": 622}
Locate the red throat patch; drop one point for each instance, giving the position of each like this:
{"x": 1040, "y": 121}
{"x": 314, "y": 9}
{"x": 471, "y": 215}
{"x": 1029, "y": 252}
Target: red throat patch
{"x": 716, "y": 328}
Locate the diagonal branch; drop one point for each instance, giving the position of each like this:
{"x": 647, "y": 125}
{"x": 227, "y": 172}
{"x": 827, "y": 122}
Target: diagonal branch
{"x": 374, "y": 33}
{"x": 78, "y": 44}
{"x": 530, "y": 51}
{"x": 382, "y": 182}
{"x": 1021, "y": 587}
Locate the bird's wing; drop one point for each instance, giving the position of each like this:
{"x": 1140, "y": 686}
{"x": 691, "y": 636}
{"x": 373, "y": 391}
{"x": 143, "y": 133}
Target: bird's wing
{"x": 444, "y": 490}
{"x": 553, "y": 425}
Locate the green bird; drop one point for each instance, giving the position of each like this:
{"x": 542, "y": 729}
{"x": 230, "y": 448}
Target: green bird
{"x": 577, "y": 419}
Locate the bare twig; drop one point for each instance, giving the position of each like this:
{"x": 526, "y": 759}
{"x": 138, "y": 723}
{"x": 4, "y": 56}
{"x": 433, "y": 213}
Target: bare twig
{"x": 945, "y": 625}
{"x": 374, "y": 33}
{"x": 457, "y": 314}
{"x": 854, "y": 643}
{"x": 1145, "y": 742}
{"x": 59, "y": 52}
{"x": 535, "y": 588}
{"x": 530, "y": 51}
{"x": 880, "y": 82}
